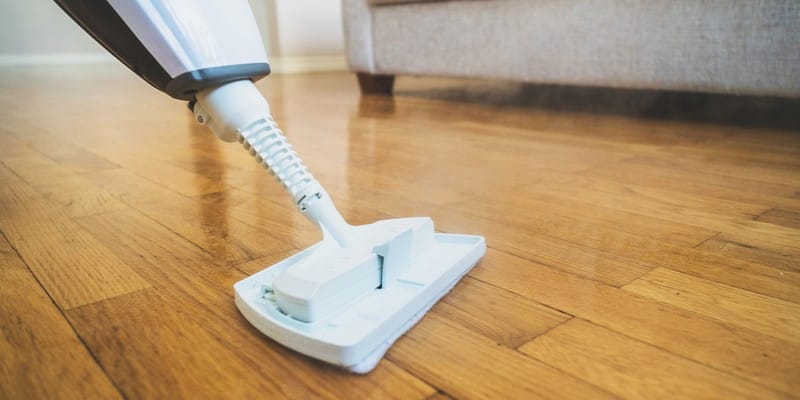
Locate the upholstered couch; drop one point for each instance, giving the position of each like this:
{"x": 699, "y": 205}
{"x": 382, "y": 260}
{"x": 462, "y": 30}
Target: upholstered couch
{"x": 729, "y": 46}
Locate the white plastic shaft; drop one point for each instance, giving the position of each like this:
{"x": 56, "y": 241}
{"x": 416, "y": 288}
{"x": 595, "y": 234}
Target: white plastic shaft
{"x": 238, "y": 111}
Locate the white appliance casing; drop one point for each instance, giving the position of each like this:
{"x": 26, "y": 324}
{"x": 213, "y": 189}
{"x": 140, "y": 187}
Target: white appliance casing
{"x": 189, "y": 35}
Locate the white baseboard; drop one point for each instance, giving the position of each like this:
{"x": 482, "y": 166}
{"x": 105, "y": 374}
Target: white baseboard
{"x": 296, "y": 65}
{"x": 279, "y": 65}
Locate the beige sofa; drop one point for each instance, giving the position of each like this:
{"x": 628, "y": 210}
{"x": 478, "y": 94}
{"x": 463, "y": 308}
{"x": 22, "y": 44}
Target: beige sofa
{"x": 728, "y": 46}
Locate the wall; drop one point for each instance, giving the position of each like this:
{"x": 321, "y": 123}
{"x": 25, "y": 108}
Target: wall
{"x": 39, "y": 32}
{"x": 309, "y": 27}
{"x": 300, "y": 35}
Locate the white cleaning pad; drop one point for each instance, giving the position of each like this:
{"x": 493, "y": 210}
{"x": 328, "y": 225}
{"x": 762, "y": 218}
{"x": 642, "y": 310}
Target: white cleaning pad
{"x": 371, "y": 361}
{"x": 358, "y": 335}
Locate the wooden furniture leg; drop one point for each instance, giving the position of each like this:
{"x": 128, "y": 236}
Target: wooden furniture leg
{"x": 375, "y": 84}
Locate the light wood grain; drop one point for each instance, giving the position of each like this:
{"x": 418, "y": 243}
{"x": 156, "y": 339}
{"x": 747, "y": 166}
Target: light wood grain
{"x": 727, "y": 246}
{"x": 787, "y": 250}
{"x": 721, "y": 215}
{"x": 175, "y": 354}
{"x": 132, "y": 222}
{"x": 74, "y": 268}
{"x": 653, "y": 173}
{"x": 634, "y": 370}
{"x": 40, "y": 355}
{"x": 10, "y": 146}
{"x": 257, "y": 264}
{"x": 439, "y": 396}
{"x": 612, "y": 248}
{"x": 185, "y": 182}
{"x": 55, "y": 182}
{"x": 6, "y": 175}
{"x": 730, "y": 348}
{"x": 776, "y": 173}
{"x": 467, "y": 365}
{"x": 510, "y": 233}
{"x": 731, "y": 305}
{"x": 68, "y": 155}
{"x": 787, "y": 218}
{"x": 505, "y": 317}
{"x": 206, "y": 224}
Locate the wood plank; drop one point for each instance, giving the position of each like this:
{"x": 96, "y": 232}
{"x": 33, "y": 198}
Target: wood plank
{"x": 512, "y": 233}
{"x": 73, "y": 266}
{"x": 207, "y": 224}
{"x": 255, "y": 265}
{"x": 185, "y": 182}
{"x": 561, "y": 210}
{"x": 439, "y": 396}
{"x": 739, "y": 273}
{"x": 388, "y": 194}
{"x": 281, "y": 218}
{"x": 725, "y": 246}
{"x": 595, "y": 248}
{"x": 781, "y": 248}
{"x": 561, "y": 216}
{"x": 41, "y": 355}
{"x": 754, "y": 170}
{"x": 571, "y": 134}
{"x": 189, "y": 317}
{"x": 743, "y": 352}
{"x": 439, "y": 157}
{"x": 637, "y": 171}
{"x": 505, "y": 317}
{"x": 6, "y": 175}
{"x": 468, "y": 365}
{"x": 144, "y": 335}
{"x": 741, "y": 147}
{"x": 635, "y": 370}
{"x": 69, "y": 155}
{"x": 643, "y": 136}
{"x": 10, "y": 146}
{"x": 765, "y": 314}
{"x": 675, "y": 205}
{"x": 638, "y": 251}
{"x": 718, "y": 215}
{"x": 78, "y": 195}
{"x": 787, "y": 218}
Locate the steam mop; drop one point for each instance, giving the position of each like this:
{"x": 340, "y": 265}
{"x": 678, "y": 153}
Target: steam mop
{"x": 344, "y": 300}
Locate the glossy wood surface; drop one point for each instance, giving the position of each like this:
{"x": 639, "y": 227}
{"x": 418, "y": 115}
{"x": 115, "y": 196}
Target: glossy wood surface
{"x": 636, "y": 249}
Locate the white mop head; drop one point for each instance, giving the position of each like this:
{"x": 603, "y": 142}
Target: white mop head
{"x": 342, "y": 320}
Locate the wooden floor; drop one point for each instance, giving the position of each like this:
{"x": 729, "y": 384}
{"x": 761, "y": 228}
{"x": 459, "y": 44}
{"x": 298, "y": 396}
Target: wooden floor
{"x": 632, "y": 254}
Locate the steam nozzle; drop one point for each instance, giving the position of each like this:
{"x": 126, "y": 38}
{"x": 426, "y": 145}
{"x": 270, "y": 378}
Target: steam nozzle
{"x": 237, "y": 111}
{"x": 230, "y": 107}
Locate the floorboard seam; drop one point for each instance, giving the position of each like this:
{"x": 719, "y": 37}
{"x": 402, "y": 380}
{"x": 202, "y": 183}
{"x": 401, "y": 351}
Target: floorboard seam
{"x": 410, "y": 372}
{"x": 440, "y": 392}
{"x": 710, "y": 281}
{"x": 146, "y": 215}
{"x": 724, "y": 325}
{"x": 601, "y": 389}
{"x": 706, "y": 239}
{"x": 519, "y": 294}
{"x": 67, "y": 320}
{"x": 571, "y": 317}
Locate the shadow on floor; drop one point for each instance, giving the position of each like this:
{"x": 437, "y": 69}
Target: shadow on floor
{"x": 745, "y": 111}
